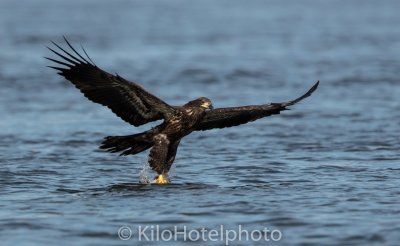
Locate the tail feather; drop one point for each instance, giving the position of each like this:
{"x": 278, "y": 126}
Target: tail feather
{"x": 130, "y": 145}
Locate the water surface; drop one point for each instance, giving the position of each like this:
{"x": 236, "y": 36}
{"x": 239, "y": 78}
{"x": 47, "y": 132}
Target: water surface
{"x": 325, "y": 173}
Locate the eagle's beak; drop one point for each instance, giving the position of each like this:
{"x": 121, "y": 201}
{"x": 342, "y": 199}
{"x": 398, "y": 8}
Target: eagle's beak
{"x": 207, "y": 105}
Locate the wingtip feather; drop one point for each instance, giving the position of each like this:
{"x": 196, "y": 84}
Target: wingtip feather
{"x": 307, "y": 94}
{"x": 73, "y": 49}
{"x": 58, "y": 69}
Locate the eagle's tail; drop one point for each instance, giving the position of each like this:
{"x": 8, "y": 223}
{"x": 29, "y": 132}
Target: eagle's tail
{"x": 130, "y": 145}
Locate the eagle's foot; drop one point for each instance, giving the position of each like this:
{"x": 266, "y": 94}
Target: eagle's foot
{"x": 161, "y": 179}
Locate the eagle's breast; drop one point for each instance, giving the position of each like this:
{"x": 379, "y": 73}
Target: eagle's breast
{"x": 183, "y": 122}
{"x": 192, "y": 116}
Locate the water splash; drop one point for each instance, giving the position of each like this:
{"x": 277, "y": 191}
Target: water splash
{"x": 144, "y": 174}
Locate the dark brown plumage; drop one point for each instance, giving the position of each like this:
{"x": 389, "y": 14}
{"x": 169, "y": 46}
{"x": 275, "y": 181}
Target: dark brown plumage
{"x": 136, "y": 106}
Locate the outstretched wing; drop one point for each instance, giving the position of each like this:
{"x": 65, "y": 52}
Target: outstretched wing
{"x": 126, "y": 99}
{"x": 228, "y": 117}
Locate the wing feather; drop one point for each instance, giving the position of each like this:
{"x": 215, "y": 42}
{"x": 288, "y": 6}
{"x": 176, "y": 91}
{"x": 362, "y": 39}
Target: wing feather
{"x": 228, "y": 117}
{"x": 126, "y": 99}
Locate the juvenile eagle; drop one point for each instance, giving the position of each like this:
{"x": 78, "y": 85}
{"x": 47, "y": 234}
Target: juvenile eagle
{"x": 137, "y": 106}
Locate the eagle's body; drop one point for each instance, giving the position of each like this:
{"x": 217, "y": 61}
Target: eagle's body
{"x": 135, "y": 105}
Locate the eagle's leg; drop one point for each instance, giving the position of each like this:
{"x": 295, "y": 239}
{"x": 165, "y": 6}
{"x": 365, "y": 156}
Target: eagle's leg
{"x": 163, "y": 178}
{"x": 162, "y": 156}
{"x": 173, "y": 148}
{"x": 158, "y": 158}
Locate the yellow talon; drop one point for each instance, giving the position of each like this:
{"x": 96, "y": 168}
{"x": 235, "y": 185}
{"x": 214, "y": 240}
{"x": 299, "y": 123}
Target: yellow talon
{"x": 161, "y": 179}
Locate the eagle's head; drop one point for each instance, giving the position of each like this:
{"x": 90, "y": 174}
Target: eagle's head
{"x": 202, "y": 102}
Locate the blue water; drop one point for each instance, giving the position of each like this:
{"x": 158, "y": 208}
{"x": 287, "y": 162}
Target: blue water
{"x": 325, "y": 173}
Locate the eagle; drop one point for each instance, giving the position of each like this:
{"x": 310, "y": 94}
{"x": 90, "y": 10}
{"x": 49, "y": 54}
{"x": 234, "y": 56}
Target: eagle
{"x": 135, "y": 105}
